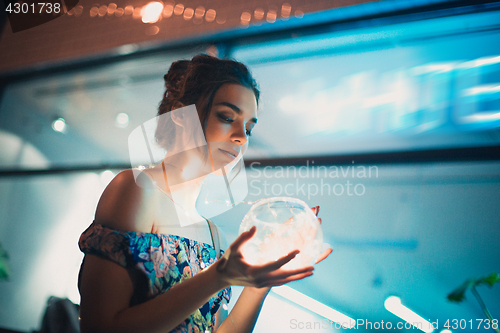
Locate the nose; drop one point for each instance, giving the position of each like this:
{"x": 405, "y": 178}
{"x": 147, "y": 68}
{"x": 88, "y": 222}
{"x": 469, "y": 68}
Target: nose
{"x": 239, "y": 136}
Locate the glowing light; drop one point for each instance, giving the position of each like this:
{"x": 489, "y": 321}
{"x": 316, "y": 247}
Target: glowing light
{"x": 283, "y": 225}
{"x": 481, "y": 62}
{"x": 168, "y": 10}
{"x": 258, "y": 14}
{"x": 299, "y": 14}
{"x": 271, "y": 16}
{"x": 129, "y": 10}
{"x": 178, "y": 9}
{"x": 393, "y": 304}
{"x": 245, "y": 17}
{"x": 103, "y": 10}
{"x": 152, "y": 30}
{"x": 94, "y": 11}
{"x": 314, "y": 306}
{"x": 151, "y": 13}
{"x": 224, "y": 306}
{"x": 220, "y": 20}
{"x": 121, "y": 120}
{"x": 137, "y": 13}
{"x": 480, "y": 90}
{"x": 141, "y": 167}
{"x": 200, "y": 11}
{"x": 119, "y": 12}
{"x": 111, "y": 8}
{"x": 210, "y": 15}
{"x": 286, "y": 10}
{"x": 78, "y": 11}
{"x": 59, "y": 125}
{"x": 107, "y": 176}
{"x": 429, "y": 68}
{"x": 480, "y": 117}
{"x": 188, "y": 13}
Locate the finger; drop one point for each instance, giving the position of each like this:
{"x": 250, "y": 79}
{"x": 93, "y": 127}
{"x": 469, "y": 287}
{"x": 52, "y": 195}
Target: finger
{"x": 315, "y": 210}
{"x": 281, "y": 282}
{"x": 274, "y": 265}
{"x": 245, "y": 236}
{"x": 284, "y": 273}
{"x": 323, "y": 255}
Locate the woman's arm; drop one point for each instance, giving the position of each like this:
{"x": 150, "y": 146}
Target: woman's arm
{"x": 106, "y": 295}
{"x": 245, "y": 312}
{"x": 107, "y": 288}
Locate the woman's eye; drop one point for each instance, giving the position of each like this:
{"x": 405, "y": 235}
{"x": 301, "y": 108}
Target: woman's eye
{"x": 225, "y": 118}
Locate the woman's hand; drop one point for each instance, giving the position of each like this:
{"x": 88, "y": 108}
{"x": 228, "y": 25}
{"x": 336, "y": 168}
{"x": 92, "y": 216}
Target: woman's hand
{"x": 236, "y": 271}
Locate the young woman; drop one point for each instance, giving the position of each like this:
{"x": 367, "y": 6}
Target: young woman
{"x": 143, "y": 270}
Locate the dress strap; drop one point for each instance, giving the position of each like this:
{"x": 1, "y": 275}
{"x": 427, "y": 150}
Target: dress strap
{"x": 214, "y": 232}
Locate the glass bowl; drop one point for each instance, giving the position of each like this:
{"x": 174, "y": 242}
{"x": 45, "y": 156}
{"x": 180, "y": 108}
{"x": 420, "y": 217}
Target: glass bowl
{"x": 283, "y": 225}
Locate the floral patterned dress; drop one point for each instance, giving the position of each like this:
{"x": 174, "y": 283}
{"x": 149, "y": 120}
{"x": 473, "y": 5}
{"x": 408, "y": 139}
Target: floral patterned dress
{"x": 162, "y": 260}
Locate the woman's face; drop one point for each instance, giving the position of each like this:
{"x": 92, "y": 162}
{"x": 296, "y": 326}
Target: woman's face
{"x": 230, "y": 122}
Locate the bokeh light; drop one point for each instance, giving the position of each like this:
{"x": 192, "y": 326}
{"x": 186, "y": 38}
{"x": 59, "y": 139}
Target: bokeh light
{"x": 285, "y": 10}
{"x": 153, "y": 30}
{"x": 179, "y": 9}
{"x": 122, "y": 118}
{"x": 210, "y": 15}
{"x": 94, "y": 11}
{"x": 258, "y": 14}
{"x": 103, "y": 10}
{"x": 119, "y": 12}
{"x": 188, "y": 13}
{"x": 111, "y": 8}
{"x": 151, "y": 13}
{"x": 245, "y": 17}
{"x": 271, "y": 16}
{"x": 128, "y": 10}
{"x": 59, "y": 125}
{"x": 137, "y": 13}
{"x": 199, "y": 12}
{"x": 107, "y": 176}
{"x": 168, "y": 10}
{"x": 78, "y": 11}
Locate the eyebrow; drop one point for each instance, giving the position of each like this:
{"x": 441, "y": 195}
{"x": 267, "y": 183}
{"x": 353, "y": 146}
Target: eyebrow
{"x": 236, "y": 109}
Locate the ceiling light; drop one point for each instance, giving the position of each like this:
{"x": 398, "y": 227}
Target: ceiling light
{"x": 314, "y": 306}
{"x": 393, "y": 304}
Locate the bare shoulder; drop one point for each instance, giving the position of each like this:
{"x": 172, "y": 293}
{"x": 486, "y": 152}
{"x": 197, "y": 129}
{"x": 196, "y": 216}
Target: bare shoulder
{"x": 127, "y": 203}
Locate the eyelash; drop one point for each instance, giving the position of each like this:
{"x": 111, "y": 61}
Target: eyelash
{"x": 229, "y": 120}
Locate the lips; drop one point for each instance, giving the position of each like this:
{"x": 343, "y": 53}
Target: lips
{"x": 232, "y": 155}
